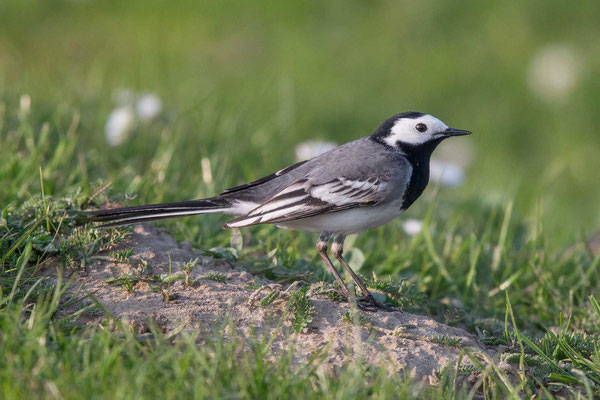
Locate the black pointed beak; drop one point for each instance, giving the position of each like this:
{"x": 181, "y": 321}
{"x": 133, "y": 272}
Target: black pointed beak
{"x": 456, "y": 132}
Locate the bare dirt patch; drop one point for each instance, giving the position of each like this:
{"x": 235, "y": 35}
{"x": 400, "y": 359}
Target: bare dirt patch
{"x": 414, "y": 344}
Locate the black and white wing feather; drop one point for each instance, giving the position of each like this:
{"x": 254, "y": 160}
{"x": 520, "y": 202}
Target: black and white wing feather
{"x": 304, "y": 199}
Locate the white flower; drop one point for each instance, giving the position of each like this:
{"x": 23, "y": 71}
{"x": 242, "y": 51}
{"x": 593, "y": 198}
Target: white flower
{"x": 148, "y": 107}
{"x": 446, "y": 173}
{"x": 310, "y": 149}
{"x": 25, "y": 104}
{"x": 206, "y": 170}
{"x": 554, "y": 71}
{"x": 412, "y": 226}
{"x": 119, "y": 123}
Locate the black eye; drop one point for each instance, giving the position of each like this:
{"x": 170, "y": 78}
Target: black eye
{"x": 421, "y": 127}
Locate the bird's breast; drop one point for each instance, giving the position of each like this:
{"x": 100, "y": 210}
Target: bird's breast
{"x": 348, "y": 221}
{"x": 417, "y": 182}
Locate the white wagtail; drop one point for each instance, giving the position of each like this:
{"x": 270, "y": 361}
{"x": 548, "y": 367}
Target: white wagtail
{"x": 351, "y": 188}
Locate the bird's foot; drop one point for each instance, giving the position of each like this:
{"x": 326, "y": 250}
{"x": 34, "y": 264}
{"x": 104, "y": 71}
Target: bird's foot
{"x": 369, "y": 303}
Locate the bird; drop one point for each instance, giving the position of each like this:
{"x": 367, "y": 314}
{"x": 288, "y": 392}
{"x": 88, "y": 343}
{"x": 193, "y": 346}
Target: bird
{"x": 349, "y": 189}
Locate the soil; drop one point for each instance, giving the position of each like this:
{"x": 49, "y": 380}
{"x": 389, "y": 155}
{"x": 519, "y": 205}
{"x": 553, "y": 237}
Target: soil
{"x": 407, "y": 343}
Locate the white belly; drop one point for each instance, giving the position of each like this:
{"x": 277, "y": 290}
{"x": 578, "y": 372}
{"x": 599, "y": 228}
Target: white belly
{"x": 347, "y": 221}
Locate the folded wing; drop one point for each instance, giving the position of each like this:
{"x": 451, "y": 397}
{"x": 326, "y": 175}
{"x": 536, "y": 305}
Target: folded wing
{"x": 304, "y": 199}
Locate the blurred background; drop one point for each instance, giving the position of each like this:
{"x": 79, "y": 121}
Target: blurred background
{"x": 179, "y": 100}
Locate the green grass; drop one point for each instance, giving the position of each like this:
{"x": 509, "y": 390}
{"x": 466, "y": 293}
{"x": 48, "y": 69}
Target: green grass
{"x": 504, "y": 256}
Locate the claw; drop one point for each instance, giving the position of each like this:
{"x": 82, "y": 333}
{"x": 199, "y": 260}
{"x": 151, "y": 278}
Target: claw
{"x": 369, "y": 303}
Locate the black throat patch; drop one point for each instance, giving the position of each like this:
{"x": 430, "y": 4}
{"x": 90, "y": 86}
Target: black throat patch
{"x": 419, "y": 157}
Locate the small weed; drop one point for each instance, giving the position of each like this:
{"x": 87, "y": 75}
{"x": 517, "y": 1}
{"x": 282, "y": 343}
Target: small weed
{"x": 446, "y": 340}
{"x": 327, "y": 289}
{"x": 170, "y": 278}
{"x": 122, "y": 255}
{"x": 401, "y": 293}
{"x": 468, "y": 370}
{"x": 127, "y": 282}
{"x": 187, "y": 269}
{"x": 79, "y": 247}
{"x": 302, "y": 309}
{"x": 402, "y": 328}
{"x": 556, "y": 345}
{"x": 270, "y": 298}
{"x": 215, "y": 276}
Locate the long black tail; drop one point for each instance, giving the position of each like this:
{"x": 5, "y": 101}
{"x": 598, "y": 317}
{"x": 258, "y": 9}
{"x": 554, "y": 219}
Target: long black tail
{"x": 153, "y": 212}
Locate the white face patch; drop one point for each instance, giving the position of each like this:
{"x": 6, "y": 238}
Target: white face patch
{"x": 405, "y": 130}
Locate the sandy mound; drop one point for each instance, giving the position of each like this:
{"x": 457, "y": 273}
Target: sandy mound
{"x": 415, "y": 344}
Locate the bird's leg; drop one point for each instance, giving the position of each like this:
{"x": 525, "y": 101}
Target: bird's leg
{"x": 368, "y": 302}
{"x": 322, "y": 250}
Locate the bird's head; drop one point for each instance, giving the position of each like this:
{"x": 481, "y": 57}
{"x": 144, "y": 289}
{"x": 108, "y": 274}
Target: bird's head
{"x": 414, "y": 130}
